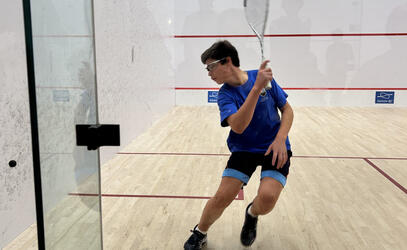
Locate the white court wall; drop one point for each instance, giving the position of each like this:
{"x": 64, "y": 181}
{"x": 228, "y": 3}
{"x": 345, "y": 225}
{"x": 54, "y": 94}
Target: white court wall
{"x": 17, "y": 206}
{"x": 315, "y": 70}
{"x": 134, "y": 58}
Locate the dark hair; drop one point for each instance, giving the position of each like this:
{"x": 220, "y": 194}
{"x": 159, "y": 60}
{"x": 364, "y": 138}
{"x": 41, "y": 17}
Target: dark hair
{"x": 219, "y": 50}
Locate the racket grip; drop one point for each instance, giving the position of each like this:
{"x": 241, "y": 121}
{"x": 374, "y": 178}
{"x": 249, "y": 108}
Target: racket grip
{"x": 263, "y": 91}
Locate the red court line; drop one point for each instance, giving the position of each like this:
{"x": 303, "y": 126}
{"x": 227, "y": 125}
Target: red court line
{"x": 199, "y": 88}
{"x": 82, "y": 194}
{"x": 387, "y": 176}
{"x": 345, "y": 88}
{"x": 350, "y": 157}
{"x": 202, "y": 88}
{"x": 240, "y": 196}
{"x": 163, "y": 153}
{"x": 292, "y": 35}
{"x": 294, "y": 156}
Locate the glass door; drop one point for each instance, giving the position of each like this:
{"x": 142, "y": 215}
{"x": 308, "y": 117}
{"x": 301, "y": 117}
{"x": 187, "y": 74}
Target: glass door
{"x": 65, "y": 92}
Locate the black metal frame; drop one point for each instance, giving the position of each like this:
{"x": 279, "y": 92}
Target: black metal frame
{"x": 34, "y": 123}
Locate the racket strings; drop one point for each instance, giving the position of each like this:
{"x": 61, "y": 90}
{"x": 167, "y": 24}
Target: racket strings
{"x": 256, "y": 12}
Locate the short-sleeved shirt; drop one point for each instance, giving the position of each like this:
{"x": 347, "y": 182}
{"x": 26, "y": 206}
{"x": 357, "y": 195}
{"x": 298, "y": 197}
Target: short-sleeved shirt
{"x": 265, "y": 123}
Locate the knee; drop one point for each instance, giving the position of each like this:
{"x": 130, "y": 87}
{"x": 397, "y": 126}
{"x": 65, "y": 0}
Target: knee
{"x": 268, "y": 201}
{"x": 222, "y": 200}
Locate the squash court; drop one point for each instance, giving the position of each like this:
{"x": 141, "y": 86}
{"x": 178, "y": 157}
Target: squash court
{"x": 346, "y": 188}
{"x": 70, "y": 69}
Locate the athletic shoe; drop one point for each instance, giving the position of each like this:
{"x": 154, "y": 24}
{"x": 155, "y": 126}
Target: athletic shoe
{"x": 248, "y": 234}
{"x": 196, "y": 241}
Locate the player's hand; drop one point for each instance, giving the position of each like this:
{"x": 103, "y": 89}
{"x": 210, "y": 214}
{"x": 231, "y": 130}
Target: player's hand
{"x": 264, "y": 75}
{"x": 279, "y": 152}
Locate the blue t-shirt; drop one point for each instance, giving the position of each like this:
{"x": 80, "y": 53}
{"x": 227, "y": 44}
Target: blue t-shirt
{"x": 264, "y": 126}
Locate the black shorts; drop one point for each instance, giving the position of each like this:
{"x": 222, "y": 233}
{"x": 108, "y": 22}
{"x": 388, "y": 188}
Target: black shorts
{"x": 241, "y": 165}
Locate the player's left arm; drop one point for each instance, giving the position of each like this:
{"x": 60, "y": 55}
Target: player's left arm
{"x": 278, "y": 146}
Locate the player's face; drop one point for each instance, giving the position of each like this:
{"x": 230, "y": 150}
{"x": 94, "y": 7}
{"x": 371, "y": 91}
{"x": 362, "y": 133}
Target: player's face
{"x": 215, "y": 71}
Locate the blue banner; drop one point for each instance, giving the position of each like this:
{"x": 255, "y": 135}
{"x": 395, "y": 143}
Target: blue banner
{"x": 212, "y": 96}
{"x": 386, "y": 97}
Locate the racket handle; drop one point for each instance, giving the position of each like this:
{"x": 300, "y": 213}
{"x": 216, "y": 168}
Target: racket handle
{"x": 263, "y": 92}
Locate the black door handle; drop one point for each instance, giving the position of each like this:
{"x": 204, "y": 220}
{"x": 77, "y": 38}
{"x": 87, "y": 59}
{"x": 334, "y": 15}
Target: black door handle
{"x": 96, "y": 135}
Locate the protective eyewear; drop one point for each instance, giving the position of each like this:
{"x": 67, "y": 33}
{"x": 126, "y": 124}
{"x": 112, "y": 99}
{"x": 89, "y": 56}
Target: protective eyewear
{"x": 212, "y": 65}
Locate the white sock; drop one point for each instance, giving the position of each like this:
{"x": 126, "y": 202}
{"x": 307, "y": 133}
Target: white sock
{"x": 250, "y": 212}
{"x": 201, "y": 231}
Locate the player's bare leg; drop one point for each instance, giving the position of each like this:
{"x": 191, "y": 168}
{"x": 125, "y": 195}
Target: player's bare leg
{"x": 263, "y": 203}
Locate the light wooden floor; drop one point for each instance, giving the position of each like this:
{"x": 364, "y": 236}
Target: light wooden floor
{"x": 336, "y": 197}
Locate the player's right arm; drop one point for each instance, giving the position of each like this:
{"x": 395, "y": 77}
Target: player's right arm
{"x": 239, "y": 121}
